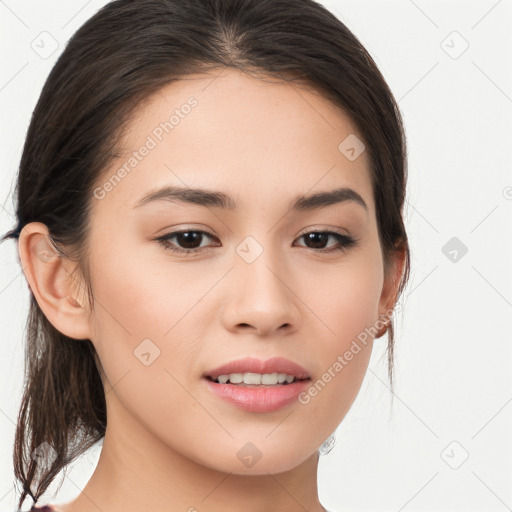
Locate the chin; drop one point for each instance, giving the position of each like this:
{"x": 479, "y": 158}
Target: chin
{"x": 258, "y": 458}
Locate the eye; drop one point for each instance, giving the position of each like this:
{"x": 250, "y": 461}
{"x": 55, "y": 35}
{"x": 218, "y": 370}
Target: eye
{"x": 188, "y": 238}
{"x": 319, "y": 238}
{"x": 189, "y": 241}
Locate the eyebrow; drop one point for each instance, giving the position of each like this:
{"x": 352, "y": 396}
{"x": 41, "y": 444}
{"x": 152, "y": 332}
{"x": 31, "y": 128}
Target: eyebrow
{"x": 215, "y": 199}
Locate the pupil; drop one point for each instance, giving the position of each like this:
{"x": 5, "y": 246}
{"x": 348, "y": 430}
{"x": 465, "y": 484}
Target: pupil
{"x": 322, "y": 236}
{"x": 188, "y": 237}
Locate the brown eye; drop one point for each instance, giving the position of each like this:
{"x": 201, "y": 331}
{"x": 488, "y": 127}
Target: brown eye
{"x": 187, "y": 241}
{"x": 318, "y": 239}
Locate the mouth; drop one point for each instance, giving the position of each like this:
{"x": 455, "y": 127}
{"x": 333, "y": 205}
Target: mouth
{"x": 250, "y": 371}
{"x": 250, "y": 379}
{"x": 258, "y": 386}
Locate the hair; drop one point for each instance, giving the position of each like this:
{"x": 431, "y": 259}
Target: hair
{"x": 123, "y": 54}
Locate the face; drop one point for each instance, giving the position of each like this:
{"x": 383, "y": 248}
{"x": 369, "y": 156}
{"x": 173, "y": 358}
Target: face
{"x": 245, "y": 277}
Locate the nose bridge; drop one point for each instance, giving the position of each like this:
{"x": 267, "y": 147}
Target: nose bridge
{"x": 259, "y": 264}
{"x": 261, "y": 297}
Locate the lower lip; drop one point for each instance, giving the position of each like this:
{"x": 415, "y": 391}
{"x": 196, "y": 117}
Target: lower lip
{"x": 259, "y": 399}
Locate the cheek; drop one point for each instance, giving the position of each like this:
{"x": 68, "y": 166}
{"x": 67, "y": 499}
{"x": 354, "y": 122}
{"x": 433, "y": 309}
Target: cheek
{"x": 142, "y": 313}
{"x": 345, "y": 297}
{"x": 345, "y": 300}
{"x": 143, "y": 296}
{"x": 144, "y": 336}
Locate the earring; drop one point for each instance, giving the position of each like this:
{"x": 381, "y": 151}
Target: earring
{"x": 328, "y": 444}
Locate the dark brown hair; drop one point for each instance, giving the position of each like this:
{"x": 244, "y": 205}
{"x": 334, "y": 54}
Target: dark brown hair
{"x": 127, "y": 51}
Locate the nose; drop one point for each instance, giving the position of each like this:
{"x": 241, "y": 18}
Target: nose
{"x": 261, "y": 297}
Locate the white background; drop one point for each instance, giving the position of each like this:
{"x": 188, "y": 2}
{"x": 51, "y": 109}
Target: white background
{"x": 453, "y": 347}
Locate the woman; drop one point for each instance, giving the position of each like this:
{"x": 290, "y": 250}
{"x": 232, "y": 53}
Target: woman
{"x": 209, "y": 210}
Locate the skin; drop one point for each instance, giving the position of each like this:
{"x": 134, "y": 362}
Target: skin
{"x": 171, "y": 444}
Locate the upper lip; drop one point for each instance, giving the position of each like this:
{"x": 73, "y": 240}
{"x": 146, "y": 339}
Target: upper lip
{"x": 253, "y": 365}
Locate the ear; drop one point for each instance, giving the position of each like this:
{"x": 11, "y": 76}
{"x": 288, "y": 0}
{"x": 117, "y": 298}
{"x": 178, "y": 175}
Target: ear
{"x": 50, "y": 280}
{"x": 389, "y": 294}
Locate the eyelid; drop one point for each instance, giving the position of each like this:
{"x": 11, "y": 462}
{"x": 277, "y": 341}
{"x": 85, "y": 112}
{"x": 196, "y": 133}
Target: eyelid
{"x": 324, "y": 229}
{"x": 164, "y": 241}
{"x": 344, "y": 241}
{"x": 305, "y": 231}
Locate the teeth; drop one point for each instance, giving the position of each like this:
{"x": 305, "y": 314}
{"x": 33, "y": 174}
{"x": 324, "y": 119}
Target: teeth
{"x": 236, "y": 378}
{"x": 270, "y": 379}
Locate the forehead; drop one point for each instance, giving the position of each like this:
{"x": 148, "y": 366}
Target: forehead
{"x": 246, "y": 136}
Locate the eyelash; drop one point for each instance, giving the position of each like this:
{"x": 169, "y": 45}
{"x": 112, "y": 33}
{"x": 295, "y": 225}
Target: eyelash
{"x": 346, "y": 241}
